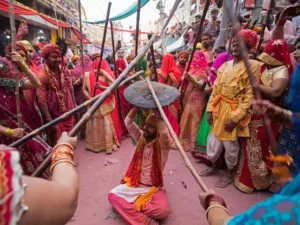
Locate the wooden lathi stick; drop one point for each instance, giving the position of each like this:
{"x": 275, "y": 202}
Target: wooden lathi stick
{"x": 102, "y": 44}
{"x": 113, "y": 45}
{"x": 231, "y": 32}
{"x": 199, "y": 33}
{"x": 46, "y": 163}
{"x": 13, "y": 42}
{"x": 137, "y": 29}
{"x": 265, "y": 24}
{"x": 153, "y": 58}
{"x": 254, "y": 84}
{"x": 67, "y": 114}
{"x": 175, "y": 138}
{"x": 81, "y": 44}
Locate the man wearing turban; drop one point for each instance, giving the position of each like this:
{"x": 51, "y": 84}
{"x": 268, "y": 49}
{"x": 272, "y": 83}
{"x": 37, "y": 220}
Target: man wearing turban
{"x": 228, "y": 109}
{"x": 140, "y": 198}
{"x": 56, "y": 94}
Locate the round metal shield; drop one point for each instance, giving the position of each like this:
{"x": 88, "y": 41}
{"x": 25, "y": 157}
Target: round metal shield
{"x": 139, "y": 95}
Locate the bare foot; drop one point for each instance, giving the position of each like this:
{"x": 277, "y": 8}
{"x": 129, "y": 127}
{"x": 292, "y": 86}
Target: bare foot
{"x": 224, "y": 181}
{"x": 208, "y": 172}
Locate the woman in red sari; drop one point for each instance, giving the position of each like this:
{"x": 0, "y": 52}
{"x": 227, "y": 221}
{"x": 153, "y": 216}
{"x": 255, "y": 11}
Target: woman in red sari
{"x": 32, "y": 152}
{"x": 124, "y": 106}
{"x": 254, "y": 165}
{"x": 170, "y": 74}
{"x": 100, "y": 130}
{"x": 193, "y": 101}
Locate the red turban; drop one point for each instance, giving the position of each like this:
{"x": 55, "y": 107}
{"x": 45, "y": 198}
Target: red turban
{"x": 249, "y": 37}
{"x": 50, "y": 48}
{"x": 19, "y": 47}
{"x": 183, "y": 53}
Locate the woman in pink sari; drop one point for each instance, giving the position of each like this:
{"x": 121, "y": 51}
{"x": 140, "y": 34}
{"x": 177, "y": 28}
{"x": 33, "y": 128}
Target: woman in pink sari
{"x": 170, "y": 74}
{"x": 193, "y": 101}
{"x": 77, "y": 77}
{"x": 32, "y": 152}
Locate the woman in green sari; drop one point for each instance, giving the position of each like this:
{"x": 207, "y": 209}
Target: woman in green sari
{"x": 204, "y": 128}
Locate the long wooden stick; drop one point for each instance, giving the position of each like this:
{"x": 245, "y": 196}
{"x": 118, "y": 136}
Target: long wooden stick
{"x": 199, "y": 33}
{"x": 267, "y": 19}
{"x": 68, "y": 114}
{"x": 81, "y": 44}
{"x": 102, "y": 44}
{"x": 113, "y": 45}
{"x": 13, "y": 42}
{"x": 138, "y": 12}
{"x": 153, "y": 58}
{"x": 254, "y": 84}
{"x": 187, "y": 162}
{"x": 231, "y": 32}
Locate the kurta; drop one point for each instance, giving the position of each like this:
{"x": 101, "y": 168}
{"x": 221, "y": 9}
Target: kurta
{"x": 47, "y": 96}
{"x": 231, "y": 99}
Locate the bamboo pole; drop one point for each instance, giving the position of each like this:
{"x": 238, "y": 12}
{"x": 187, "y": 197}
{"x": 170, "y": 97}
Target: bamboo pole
{"x": 67, "y": 114}
{"x": 267, "y": 19}
{"x": 187, "y": 162}
{"x": 199, "y": 33}
{"x": 153, "y": 58}
{"x": 102, "y": 44}
{"x": 81, "y": 45}
{"x": 113, "y": 45}
{"x": 254, "y": 84}
{"x": 138, "y": 11}
{"x": 231, "y": 32}
{"x": 16, "y": 75}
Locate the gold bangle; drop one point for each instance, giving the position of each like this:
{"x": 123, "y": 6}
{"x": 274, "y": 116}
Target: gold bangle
{"x": 67, "y": 144}
{"x": 61, "y": 161}
{"x": 24, "y": 67}
{"x": 216, "y": 205}
{"x": 9, "y": 132}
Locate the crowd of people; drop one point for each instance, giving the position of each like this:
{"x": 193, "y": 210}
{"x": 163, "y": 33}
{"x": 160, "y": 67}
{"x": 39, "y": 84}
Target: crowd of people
{"x": 215, "y": 118}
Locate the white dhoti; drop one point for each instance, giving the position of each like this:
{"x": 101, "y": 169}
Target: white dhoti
{"x": 215, "y": 148}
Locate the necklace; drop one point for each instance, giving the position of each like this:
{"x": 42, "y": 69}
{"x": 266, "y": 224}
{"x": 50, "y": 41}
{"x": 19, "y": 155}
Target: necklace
{"x": 60, "y": 94}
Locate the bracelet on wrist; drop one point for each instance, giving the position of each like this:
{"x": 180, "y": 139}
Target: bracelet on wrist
{"x": 281, "y": 22}
{"x": 24, "y": 67}
{"x": 61, "y": 161}
{"x": 213, "y": 198}
{"x": 9, "y": 132}
{"x": 216, "y": 206}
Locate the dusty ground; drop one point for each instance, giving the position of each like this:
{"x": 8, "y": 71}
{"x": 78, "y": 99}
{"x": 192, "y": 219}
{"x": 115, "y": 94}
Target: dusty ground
{"x": 96, "y": 180}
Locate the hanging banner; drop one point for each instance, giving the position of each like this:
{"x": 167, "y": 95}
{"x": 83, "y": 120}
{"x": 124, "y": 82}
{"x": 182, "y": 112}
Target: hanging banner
{"x": 128, "y": 12}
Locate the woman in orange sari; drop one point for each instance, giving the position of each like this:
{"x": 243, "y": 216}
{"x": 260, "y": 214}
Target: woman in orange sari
{"x": 100, "y": 130}
{"x": 193, "y": 101}
{"x": 170, "y": 74}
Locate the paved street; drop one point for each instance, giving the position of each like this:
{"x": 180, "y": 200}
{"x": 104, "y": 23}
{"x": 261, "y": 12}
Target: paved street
{"x": 96, "y": 180}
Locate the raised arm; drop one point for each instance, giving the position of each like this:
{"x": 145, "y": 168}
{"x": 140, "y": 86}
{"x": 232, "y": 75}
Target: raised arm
{"x": 32, "y": 82}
